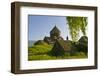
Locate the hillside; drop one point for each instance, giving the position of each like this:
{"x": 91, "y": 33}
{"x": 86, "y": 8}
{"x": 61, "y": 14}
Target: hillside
{"x": 43, "y": 52}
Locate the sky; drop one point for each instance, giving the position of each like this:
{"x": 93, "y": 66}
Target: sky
{"x": 40, "y": 26}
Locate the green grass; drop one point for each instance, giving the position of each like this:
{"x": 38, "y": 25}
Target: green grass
{"x": 42, "y": 52}
{"x": 39, "y": 49}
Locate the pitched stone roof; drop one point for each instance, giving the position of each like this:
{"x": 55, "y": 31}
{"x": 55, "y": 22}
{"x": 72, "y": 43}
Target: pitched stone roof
{"x": 48, "y": 38}
{"x": 55, "y": 30}
{"x": 66, "y": 45}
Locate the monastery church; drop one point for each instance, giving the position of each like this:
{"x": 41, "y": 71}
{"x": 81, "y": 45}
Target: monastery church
{"x": 60, "y": 45}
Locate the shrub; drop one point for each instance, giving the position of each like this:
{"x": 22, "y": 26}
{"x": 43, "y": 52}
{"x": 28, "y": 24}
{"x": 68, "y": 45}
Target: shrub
{"x": 83, "y": 44}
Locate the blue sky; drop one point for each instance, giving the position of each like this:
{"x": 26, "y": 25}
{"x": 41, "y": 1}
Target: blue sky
{"x": 40, "y": 26}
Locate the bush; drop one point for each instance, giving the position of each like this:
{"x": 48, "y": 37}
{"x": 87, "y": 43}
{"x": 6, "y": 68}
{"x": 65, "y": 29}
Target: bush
{"x": 83, "y": 44}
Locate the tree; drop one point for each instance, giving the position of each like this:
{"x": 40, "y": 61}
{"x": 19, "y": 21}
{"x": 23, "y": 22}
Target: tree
{"x": 77, "y": 25}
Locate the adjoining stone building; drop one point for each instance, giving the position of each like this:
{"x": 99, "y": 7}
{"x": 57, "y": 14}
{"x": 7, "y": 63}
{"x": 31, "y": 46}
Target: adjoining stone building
{"x": 63, "y": 46}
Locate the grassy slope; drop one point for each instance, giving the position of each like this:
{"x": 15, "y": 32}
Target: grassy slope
{"x": 42, "y": 52}
{"x": 39, "y": 52}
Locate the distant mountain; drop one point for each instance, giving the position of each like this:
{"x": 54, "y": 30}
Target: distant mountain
{"x": 31, "y": 43}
